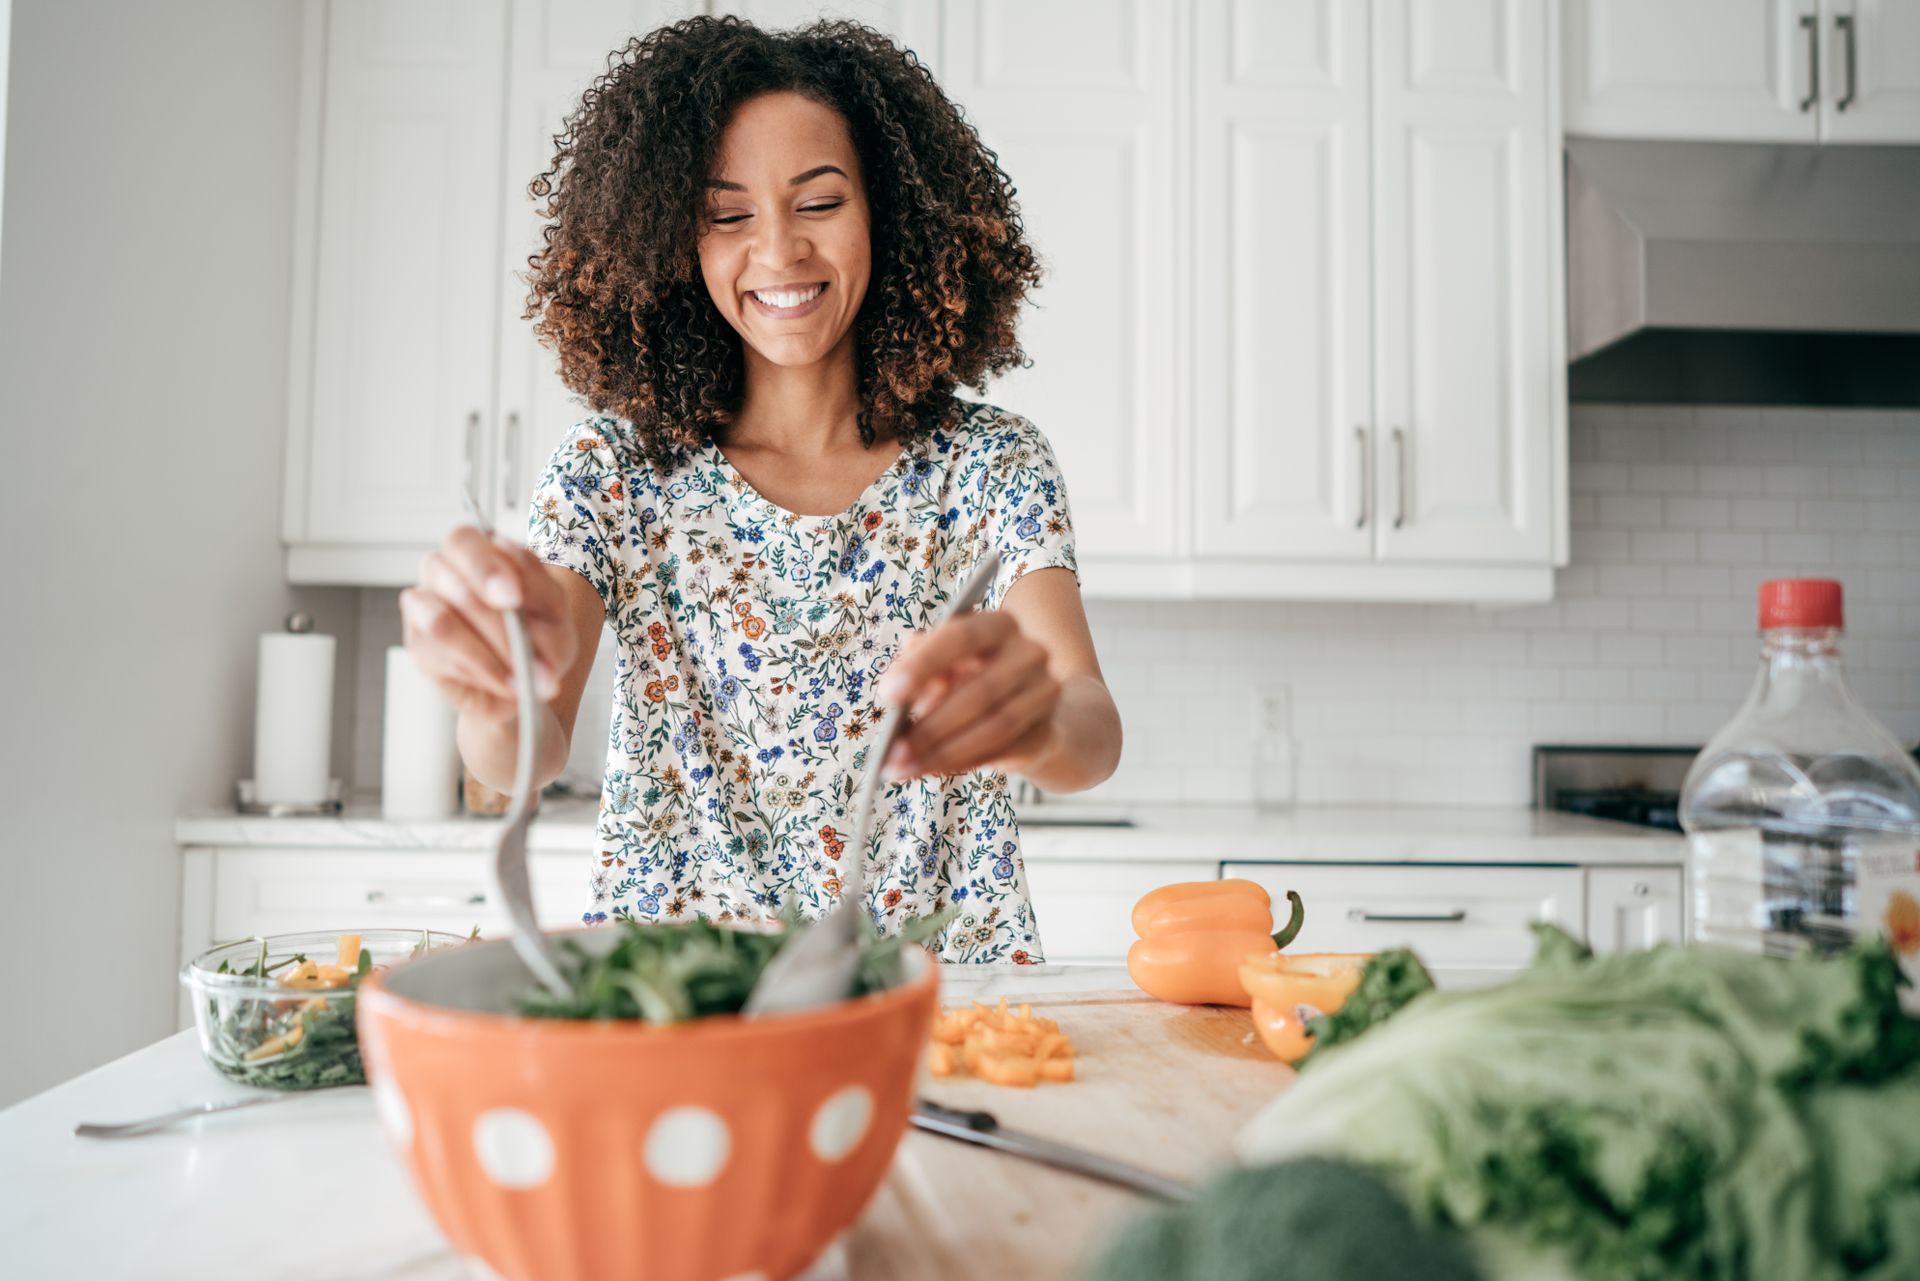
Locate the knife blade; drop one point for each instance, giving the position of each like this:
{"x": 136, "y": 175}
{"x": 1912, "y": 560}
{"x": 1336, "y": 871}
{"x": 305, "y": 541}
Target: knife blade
{"x": 984, "y": 1130}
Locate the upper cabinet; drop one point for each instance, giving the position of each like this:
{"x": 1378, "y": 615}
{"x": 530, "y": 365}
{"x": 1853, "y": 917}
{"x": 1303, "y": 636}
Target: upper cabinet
{"x": 1744, "y": 70}
{"x": 1298, "y": 334}
{"x": 1377, "y": 341}
{"x": 1078, "y": 99}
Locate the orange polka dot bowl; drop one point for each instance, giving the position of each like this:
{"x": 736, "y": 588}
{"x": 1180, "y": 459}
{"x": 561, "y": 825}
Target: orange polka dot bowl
{"x": 721, "y": 1149}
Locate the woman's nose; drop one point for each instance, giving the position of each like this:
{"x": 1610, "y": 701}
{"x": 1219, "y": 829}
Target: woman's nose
{"x": 781, "y": 244}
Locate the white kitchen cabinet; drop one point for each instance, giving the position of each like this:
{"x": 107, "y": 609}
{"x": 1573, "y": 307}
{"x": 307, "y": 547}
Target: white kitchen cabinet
{"x": 1874, "y": 68}
{"x": 1629, "y": 908}
{"x": 1376, "y": 324}
{"x": 1731, "y": 70}
{"x": 1469, "y": 922}
{"x": 1467, "y": 409}
{"x": 1084, "y": 908}
{"x": 1283, "y": 306}
{"x": 1744, "y": 70}
{"x": 393, "y": 335}
{"x": 1080, "y": 100}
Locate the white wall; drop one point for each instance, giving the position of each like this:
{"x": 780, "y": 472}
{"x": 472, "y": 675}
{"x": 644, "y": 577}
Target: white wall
{"x": 144, "y": 299}
{"x": 1677, "y": 515}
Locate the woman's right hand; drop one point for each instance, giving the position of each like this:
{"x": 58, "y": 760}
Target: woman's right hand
{"x": 452, "y": 622}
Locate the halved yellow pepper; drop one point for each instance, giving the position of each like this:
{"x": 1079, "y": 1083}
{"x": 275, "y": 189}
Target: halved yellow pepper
{"x": 1195, "y": 935}
{"x": 1286, "y": 991}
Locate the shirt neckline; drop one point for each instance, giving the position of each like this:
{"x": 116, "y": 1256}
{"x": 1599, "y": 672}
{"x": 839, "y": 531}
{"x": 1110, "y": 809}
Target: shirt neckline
{"x": 734, "y": 477}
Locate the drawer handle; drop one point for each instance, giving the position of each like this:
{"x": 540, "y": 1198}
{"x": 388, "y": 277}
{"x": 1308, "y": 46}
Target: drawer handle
{"x": 476, "y": 899}
{"x": 1454, "y": 917}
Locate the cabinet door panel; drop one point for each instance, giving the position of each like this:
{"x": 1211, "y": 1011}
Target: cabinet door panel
{"x": 1464, "y": 919}
{"x": 404, "y": 288}
{"x": 1630, "y": 908}
{"x": 1084, "y": 910}
{"x": 1463, "y": 392}
{"x": 1283, "y": 316}
{"x": 1884, "y": 79}
{"x": 1078, "y": 100}
{"x": 1735, "y": 70}
{"x": 559, "y": 48}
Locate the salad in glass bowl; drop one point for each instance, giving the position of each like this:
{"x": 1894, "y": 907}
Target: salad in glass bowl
{"x": 278, "y": 1011}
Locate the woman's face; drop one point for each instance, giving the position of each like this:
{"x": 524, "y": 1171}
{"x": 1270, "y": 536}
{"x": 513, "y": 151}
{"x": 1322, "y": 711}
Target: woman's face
{"x": 785, "y": 250}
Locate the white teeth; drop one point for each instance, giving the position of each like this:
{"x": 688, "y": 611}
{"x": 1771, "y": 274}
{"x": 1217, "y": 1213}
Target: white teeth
{"x": 788, "y": 297}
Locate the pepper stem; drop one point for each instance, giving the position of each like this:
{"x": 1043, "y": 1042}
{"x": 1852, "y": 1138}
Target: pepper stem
{"x": 1294, "y": 922}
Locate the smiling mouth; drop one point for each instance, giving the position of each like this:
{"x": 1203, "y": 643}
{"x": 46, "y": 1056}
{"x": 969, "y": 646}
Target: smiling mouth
{"x": 790, "y": 302}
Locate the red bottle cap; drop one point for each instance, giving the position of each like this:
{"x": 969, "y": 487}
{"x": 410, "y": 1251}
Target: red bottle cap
{"x": 1800, "y": 602}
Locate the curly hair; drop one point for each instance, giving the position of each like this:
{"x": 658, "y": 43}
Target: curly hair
{"x": 616, "y": 289}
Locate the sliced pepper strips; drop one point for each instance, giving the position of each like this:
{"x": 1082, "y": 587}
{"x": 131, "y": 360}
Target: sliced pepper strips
{"x": 1194, "y": 936}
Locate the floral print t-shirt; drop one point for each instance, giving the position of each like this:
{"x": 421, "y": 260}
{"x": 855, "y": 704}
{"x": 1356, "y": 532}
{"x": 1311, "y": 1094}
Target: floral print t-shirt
{"x": 750, "y": 639}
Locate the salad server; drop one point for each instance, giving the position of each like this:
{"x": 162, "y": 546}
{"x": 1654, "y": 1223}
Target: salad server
{"x": 510, "y": 850}
{"x": 819, "y": 964}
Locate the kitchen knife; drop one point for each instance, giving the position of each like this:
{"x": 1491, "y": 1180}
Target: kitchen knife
{"x": 984, "y": 1129}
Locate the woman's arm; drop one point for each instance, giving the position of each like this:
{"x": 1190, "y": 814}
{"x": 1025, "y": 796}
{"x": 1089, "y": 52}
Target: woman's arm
{"x": 1017, "y": 689}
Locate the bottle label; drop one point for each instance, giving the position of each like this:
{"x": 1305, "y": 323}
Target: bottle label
{"x": 1888, "y": 875}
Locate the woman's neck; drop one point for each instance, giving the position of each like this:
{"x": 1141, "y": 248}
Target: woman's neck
{"x": 800, "y": 410}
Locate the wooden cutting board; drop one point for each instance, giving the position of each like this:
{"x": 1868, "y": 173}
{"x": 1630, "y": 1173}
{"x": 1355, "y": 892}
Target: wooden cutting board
{"x": 1162, "y": 1086}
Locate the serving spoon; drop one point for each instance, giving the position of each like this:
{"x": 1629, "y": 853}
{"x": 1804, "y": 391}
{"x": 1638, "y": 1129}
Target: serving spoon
{"x": 510, "y": 848}
{"x": 817, "y": 966}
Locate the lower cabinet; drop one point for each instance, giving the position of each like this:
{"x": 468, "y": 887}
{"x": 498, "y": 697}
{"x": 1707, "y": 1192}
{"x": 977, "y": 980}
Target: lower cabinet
{"x": 1084, "y": 908}
{"x": 1468, "y": 924}
{"x": 1629, "y": 908}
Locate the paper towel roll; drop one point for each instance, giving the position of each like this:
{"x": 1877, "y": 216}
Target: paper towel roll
{"x": 419, "y": 760}
{"x": 293, "y": 720}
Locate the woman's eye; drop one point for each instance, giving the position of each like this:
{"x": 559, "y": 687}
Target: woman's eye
{"x": 723, "y": 220}
{"x": 822, "y": 208}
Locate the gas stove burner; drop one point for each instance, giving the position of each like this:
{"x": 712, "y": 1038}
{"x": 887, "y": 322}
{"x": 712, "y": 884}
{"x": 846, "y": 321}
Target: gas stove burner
{"x": 1643, "y": 806}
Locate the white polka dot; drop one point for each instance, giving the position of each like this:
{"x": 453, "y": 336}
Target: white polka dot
{"x": 513, "y": 1148}
{"x": 688, "y": 1147}
{"x": 394, "y": 1112}
{"x": 841, "y": 1122}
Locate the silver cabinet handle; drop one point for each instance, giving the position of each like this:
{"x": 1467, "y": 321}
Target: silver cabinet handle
{"x": 1366, "y": 478}
{"x": 383, "y": 899}
{"x": 470, "y": 476}
{"x": 1400, "y": 466}
{"x": 509, "y": 447}
{"x": 1360, "y": 914}
{"x": 1811, "y": 25}
{"x": 1844, "y": 25}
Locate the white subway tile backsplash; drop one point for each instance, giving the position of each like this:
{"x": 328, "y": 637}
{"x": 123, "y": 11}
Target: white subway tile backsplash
{"x": 1764, "y": 513}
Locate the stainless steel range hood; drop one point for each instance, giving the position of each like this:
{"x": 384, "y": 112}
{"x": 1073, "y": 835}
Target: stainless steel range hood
{"x": 1743, "y": 257}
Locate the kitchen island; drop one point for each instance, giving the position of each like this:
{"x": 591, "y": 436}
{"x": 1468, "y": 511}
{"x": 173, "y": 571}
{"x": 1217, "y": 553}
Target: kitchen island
{"x": 309, "y": 1190}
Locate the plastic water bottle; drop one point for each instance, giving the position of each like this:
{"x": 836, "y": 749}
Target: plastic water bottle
{"x": 1804, "y": 812}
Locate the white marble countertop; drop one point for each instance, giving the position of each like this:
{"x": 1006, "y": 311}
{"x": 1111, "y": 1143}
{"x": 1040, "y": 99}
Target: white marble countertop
{"x": 305, "y": 1190}
{"x": 1222, "y": 833}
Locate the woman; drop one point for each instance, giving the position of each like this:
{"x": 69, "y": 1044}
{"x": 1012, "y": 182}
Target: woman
{"x": 771, "y": 258}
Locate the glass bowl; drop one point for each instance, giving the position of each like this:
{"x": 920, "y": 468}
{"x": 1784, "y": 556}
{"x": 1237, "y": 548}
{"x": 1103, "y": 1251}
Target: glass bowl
{"x": 278, "y": 1011}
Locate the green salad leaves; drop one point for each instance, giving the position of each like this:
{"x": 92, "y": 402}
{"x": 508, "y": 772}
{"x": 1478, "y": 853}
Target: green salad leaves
{"x": 674, "y": 971}
{"x": 1683, "y": 1112}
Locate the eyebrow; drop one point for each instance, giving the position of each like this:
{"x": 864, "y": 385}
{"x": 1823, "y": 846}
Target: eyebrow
{"x": 722, "y": 185}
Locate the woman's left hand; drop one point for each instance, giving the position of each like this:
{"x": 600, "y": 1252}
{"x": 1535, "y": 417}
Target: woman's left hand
{"x": 978, "y": 692}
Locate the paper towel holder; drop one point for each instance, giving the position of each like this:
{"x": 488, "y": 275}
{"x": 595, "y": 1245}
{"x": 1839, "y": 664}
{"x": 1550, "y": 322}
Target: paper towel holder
{"x": 245, "y": 800}
{"x": 246, "y": 803}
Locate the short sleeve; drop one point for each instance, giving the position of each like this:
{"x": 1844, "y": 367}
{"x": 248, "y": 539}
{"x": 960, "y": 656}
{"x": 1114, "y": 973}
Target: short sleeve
{"x": 579, "y": 508}
{"x": 1029, "y": 523}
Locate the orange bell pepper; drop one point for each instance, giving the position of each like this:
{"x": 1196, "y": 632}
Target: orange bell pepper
{"x": 1286, "y": 991}
{"x": 1195, "y": 935}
